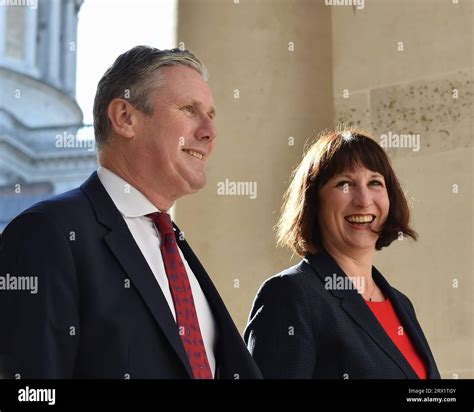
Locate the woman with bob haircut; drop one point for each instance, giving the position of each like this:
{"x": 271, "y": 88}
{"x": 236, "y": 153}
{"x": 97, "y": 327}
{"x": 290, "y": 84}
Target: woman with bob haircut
{"x": 333, "y": 315}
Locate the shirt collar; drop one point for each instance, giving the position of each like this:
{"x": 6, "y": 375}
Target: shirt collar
{"x": 129, "y": 201}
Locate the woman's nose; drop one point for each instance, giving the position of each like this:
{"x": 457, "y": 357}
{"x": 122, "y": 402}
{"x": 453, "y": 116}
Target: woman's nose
{"x": 362, "y": 196}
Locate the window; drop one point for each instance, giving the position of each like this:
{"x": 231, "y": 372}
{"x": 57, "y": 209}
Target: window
{"x": 18, "y": 38}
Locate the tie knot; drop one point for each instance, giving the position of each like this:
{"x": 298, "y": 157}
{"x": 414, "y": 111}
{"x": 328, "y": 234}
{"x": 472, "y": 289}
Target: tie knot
{"x": 162, "y": 222}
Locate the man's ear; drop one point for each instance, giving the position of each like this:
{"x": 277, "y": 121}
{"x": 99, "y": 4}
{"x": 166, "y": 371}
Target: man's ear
{"x": 122, "y": 116}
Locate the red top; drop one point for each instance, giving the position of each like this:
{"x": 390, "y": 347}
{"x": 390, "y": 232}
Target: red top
{"x": 387, "y": 317}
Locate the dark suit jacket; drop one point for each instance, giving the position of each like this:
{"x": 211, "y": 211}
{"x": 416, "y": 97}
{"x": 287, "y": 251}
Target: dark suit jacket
{"x": 298, "y": 329}
{"x": 85, "y": 322}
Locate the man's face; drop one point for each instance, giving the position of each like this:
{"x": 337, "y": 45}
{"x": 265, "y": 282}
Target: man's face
{"x": 173, "y": 144}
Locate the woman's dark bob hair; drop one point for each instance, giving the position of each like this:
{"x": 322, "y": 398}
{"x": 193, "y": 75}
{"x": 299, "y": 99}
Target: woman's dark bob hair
{"x": 333, "y": 153}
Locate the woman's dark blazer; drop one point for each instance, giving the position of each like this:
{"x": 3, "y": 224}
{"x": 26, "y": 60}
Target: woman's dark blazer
{"x": 299, "y": 329}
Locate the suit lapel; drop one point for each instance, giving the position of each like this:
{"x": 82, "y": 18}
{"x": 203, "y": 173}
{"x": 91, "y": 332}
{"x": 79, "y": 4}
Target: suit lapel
{"x": 355, "y": 307}
{"x": 216, "y": 304}
{"x": 231, "y": 353}
{"x": 127, "y": 252}
{"x": 203, "y": 278}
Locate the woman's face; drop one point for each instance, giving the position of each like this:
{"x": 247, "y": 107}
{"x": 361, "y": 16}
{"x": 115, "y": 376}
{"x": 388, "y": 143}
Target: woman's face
{"x": 353, "y": 205}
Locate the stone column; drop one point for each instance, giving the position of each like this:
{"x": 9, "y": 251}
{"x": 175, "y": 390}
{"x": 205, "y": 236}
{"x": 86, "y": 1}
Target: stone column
{"x": 54, "y": 32}
{"x": 271, "y": 73}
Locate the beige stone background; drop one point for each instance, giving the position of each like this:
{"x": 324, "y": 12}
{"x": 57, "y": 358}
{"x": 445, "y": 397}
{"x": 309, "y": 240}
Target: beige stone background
{"x": 279, "y": 70}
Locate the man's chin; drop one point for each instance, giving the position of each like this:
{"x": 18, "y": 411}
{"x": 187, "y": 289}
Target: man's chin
{"x": 196, "y": 185}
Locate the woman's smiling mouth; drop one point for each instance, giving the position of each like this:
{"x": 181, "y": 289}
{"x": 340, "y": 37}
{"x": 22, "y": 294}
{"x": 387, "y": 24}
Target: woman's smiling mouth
{"x": 360, "y": 222}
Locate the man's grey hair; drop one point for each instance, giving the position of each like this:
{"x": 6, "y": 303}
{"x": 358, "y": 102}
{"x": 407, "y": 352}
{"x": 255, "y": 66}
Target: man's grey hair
{"x": 134, "y": 76}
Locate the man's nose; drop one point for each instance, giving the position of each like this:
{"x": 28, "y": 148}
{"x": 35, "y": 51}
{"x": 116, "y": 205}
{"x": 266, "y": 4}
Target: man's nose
{"x": 207, "y": 129}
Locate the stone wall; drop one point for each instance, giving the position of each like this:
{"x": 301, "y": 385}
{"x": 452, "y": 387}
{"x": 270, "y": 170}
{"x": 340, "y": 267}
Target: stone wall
{"x": 282, "y": 69}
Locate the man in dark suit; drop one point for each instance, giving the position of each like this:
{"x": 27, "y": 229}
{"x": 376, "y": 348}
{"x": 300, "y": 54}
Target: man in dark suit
{"x": 115, "y": 297}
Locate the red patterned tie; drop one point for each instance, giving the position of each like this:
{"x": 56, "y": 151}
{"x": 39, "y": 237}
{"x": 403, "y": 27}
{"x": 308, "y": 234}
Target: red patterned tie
{"x": 186, "y": 317}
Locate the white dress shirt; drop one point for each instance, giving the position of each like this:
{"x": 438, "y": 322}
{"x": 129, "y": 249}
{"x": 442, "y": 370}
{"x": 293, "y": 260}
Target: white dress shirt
{"x": 133, "y": 205}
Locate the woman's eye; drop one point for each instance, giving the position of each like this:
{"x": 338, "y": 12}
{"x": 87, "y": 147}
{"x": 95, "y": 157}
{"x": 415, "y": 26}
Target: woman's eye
{"x": 376, "y": 183}
{"x": 343, "y": 183}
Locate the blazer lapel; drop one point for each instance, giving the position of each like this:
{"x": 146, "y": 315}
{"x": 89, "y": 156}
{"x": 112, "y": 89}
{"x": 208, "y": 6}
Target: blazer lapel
{"x": 409, "y": 324}
{"x": 355, "y": 307}
{"x": 127, "y": 252}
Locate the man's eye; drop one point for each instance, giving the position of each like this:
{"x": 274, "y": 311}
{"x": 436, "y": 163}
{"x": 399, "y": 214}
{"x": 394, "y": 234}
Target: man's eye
{"x": 189, "y": 109}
